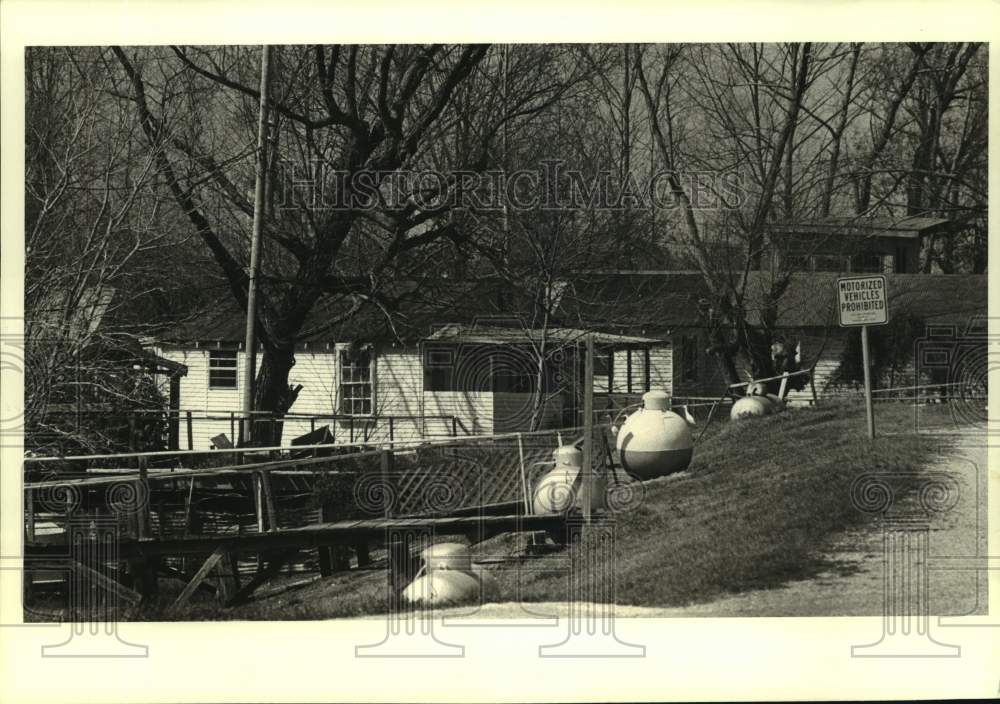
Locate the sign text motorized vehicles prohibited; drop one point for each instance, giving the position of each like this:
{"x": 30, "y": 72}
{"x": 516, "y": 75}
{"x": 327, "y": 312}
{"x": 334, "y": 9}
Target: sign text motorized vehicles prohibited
{"x": 862, "y": 300}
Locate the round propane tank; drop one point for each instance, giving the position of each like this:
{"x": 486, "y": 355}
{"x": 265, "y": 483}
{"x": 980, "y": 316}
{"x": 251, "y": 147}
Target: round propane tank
{"x": 447, "y": 556}
{"x": 559, "y": 489}
{"x": 654, "y": 441}
{"x": 748, "y": 407}
{"x": 441, "y": 587}
{"x": 769, "y": 406}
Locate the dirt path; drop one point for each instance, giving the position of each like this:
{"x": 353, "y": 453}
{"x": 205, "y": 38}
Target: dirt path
{"x": 853, "y": 586}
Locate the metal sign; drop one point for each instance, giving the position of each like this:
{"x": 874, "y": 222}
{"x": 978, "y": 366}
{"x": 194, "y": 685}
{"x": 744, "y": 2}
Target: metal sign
{"x": 862, "y": 300}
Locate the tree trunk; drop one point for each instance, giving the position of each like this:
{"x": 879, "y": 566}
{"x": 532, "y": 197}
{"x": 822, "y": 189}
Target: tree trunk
{"x": 272, "y": 395}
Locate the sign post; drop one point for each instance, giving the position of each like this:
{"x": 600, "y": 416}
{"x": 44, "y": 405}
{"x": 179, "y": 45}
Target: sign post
{"x": 864, "y": 301}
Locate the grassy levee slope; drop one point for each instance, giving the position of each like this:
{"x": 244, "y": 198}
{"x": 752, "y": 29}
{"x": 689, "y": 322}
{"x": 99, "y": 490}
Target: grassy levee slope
{"x": 760, "y": 503}
{"x": 758, "y": 508}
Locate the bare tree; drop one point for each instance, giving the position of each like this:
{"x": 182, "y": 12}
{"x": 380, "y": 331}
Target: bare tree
{"x": 91, "y": 221}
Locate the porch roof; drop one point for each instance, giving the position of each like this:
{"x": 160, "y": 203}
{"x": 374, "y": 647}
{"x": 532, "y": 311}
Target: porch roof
{"x": 492, "y": 335}
{"x": 908, "y": 227}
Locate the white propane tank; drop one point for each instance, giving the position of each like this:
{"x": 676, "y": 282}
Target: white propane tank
{"x": 769, "y": 406}
{"x": 749, "y": 407}
{"x": 559, "y": 489}
{"x": 441, "y": 587}
{"x": 654, "y": 441}
{"x": 447, "y": 556}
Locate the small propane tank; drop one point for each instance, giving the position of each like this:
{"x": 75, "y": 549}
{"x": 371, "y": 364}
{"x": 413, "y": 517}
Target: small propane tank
{"x": 749, "y": 407}
{"x": 654, "y": 441}
{"x": 441, "y": 587}
{"x": 559, "y": 489}
{"x": 447, "y": 556}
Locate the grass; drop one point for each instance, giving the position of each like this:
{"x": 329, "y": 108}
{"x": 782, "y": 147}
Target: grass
{"x": 758, "y": 508}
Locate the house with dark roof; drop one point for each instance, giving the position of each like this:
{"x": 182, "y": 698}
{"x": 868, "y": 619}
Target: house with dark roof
{"x": 854, "y": 245}
{"x": 671, "y": 306}
{"x": 453, "y": 358}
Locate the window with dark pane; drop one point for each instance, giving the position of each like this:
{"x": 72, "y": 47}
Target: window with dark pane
{"x": 222, "y": 369}
{"x": 866, "y": 263}
{"x": 356, "y": 382}
{"x": 689, "y": 358}
{"x": 439, "y": 369}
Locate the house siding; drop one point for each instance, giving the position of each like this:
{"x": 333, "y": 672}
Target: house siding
{"x": 512, "y": 412}
{"x": 473, "y": 410}
{"x": 398, "y": 390}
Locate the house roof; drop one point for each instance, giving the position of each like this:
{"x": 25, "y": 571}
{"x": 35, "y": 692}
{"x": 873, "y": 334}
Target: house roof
{"x": 656, "y": 302}
{"x": 909, "y": 227}
{"x": 419, "y": 308}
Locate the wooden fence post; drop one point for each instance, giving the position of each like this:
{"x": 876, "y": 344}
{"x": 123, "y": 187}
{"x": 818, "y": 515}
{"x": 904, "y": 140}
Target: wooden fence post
{"x": 385, "y": 467}
{"x": 29, "y": 515}
{"x": 272, "y": 513}
{"x": 364, "y": 558}
{"x": 325, "y": 568}
{"x": 258, "y": 494}
{"x": 190, "y": 431}
{"x": 143, "y": 499}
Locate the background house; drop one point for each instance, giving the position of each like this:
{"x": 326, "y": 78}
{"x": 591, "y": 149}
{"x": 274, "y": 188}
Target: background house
{"x": 442, "y": 365}
{"x": 871, "y": 245}
{"x": 671, "y": 305}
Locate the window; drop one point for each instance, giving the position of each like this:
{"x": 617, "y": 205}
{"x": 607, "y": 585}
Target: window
{"x": 356, "y": 382}
{"x": 798, "y": 262}
{"x": 637, "y": 370}
{"x": 222, "y": 369}
{"x": 689, "y": 358}
{"x": 603, "y": 370}
{"x": 439, "y": 369}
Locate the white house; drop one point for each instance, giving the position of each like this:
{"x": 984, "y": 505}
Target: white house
{"x": 455, "y": 380}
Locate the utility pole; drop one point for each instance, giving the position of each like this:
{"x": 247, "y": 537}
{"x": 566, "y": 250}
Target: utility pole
{"x": 250, "y": 368}
{"x": 506, "y": 205}
{"x": 587, "y": 473}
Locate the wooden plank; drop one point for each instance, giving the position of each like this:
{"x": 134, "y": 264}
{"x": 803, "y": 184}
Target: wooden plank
{"x": 188, "y": 508}
{"x": 199, "y": 577}
{"x": 212, "y": 472}
{"x": 340, "y": 533}
{"x": 169, "y": 571}
{"x": 274, "y": 566}
{"x": 93, "y": 576}
{"x": 223, "y": 574}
